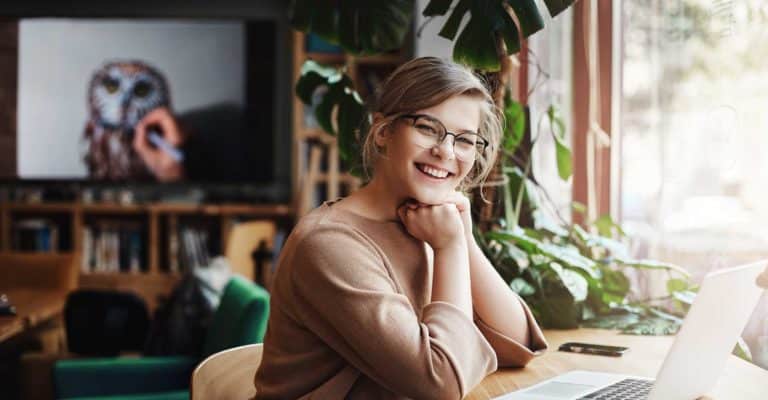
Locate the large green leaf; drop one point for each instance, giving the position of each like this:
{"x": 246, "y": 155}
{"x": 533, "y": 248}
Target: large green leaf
{"x": 575, "y": 283}
{"x": 451, "y": 26}
{"x": 555, "y": 7}
{"x": 436, "y": 7}
{"x": 339, "y": 96}
{"x": 360, "y": 27}
{"x": 374, "y": 26}
{"x": 476, "y": 47}
{"x": 312, "y": 76}
{"x": 521, "y": 287}
{"x": 528, "y": 14}
{"x": 651, "y": 264}
{"x": 320, "y": 17}
{"x": 564, "y": 160}
{"x": 514, "y": 129}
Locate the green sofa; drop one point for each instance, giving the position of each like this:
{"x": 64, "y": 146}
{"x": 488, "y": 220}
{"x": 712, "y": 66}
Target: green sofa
{"x": 240, "y": 319}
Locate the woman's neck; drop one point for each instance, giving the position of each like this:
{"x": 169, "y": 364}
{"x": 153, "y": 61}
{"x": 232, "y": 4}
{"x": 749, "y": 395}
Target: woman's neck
{"x": 375, "y": 201}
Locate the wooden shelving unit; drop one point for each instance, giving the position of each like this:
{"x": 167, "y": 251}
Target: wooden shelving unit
{"x": 154, "y": 279}
{"x": 316, "y": 165}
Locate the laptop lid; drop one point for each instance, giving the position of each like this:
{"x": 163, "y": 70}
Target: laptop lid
{"x": 709, "y": 333}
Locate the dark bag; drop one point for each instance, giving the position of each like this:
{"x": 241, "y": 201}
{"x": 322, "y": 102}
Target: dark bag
{"x": 180, "y": 324}
{"x": 104, "y": 323}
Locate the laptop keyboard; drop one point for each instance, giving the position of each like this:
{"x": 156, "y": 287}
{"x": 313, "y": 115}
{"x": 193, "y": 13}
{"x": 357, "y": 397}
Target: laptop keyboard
{"x": 628, "y": 389}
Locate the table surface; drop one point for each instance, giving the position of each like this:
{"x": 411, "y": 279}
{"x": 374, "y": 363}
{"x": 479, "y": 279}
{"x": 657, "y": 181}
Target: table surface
{"x": 740, "y": 380}
{"x": 33, "y": 307}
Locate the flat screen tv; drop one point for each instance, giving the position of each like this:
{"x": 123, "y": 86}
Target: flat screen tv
{"x": 84, "y": 84}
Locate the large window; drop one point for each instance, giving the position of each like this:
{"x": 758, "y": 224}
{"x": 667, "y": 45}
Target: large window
{"x": 694, "y": 126}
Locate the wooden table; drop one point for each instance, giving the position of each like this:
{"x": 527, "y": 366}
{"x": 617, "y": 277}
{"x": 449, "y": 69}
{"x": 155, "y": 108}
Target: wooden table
{"x": 33, "y": 308}
{"x": 739, "y": 381}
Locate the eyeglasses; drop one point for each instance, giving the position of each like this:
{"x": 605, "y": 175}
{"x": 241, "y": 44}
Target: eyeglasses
{"x": 467, "y": 146}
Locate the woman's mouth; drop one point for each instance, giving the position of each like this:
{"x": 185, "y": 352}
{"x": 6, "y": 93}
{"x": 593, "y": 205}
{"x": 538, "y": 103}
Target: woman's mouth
{"x": 433, "y": 172}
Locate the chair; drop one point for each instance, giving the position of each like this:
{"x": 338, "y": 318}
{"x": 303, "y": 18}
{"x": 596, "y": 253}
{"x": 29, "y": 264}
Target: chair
{"x": 240, "y": 319}
{"x": 105, "y": 322}
{"x": 244, "y": 241}
{"x": 227, "y": 374}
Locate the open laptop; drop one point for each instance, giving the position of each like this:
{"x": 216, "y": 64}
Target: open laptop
{"x": 717, "y": 317}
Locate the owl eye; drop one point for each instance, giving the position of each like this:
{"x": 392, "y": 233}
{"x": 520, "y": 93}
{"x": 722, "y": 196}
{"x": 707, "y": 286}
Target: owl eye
{"x": 142, "y": 89}
{"x": 110, "y": 84}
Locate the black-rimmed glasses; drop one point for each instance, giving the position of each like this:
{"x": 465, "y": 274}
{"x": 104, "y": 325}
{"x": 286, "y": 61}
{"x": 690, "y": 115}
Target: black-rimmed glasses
{"x": 431, "y": 132}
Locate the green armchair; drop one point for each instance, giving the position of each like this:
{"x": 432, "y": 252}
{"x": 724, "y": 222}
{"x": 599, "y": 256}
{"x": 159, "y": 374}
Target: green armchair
{"x": 240, "y": 319}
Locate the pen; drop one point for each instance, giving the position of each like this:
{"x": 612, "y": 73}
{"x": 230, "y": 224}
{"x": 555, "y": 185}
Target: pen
{"x": 168, "y": 148}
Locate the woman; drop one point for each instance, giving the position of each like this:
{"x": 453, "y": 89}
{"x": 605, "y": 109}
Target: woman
{"x": 385, "y": 294}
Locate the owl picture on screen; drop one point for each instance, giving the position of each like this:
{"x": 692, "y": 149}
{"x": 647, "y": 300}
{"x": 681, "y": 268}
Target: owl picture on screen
{"x": 120, "y": 94}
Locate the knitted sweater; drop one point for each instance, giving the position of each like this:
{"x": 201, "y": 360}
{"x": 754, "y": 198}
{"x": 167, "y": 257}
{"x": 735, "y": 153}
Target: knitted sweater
{"x": 351, "y": 317}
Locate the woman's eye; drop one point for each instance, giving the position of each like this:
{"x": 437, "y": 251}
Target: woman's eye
{"x": 465, "y": 140}
{"x": 429, "y": 129}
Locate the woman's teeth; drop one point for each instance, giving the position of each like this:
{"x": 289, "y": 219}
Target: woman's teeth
{"x": 433, "y": 172}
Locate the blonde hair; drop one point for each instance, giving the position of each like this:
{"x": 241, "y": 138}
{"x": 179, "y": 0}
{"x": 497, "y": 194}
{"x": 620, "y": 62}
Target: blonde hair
{"x": 426, "y": 82}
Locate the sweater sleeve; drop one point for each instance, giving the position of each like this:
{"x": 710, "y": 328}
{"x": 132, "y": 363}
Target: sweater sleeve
{"x": 511, "y": 353}
{"x": 345, "y": 295}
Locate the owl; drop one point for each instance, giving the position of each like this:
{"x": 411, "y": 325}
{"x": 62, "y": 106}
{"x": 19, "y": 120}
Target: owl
{"x": 120, "y": 94}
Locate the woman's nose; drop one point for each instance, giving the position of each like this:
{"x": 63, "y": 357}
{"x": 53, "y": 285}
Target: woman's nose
{"x": 444, "y": 149}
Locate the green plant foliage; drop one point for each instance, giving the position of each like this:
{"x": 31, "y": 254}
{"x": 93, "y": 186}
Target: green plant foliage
{"x": 489, "y": 19}
{"x": 360, "y": 27}
{"x": 340, "y": 96}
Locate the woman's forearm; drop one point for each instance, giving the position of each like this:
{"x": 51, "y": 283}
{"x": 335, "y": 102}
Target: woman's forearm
{"x": 451, "y": 276}
{"x": 493, "y": 300}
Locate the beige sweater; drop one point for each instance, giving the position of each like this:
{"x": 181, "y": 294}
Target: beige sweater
{"x": 351, "y": 317}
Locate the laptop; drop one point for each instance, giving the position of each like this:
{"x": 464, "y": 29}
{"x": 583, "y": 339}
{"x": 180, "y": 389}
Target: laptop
{"x": 725, "y": 301}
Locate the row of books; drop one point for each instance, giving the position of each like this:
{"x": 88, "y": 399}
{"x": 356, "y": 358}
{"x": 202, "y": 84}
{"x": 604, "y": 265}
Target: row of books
{"x": 113, "y": 247}
{"x": 188, "y": 248}
{"x": 35, "y": 234}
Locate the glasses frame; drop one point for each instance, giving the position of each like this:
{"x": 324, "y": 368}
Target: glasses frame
{"x": 455, "y": 135}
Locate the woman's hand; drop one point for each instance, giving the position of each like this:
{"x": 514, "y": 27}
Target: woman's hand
{"x": 465, "y": 210}
{"x": 163, "y": 165}
{"x": 438, "y": 225}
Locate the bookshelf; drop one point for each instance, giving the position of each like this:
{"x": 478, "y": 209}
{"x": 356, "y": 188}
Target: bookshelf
{"x": 317, "y": 170}
{"x": 125, "y": 247}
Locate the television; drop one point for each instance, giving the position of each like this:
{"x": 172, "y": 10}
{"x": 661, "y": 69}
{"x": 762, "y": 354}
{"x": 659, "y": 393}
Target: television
{"x": 96, "y": 85}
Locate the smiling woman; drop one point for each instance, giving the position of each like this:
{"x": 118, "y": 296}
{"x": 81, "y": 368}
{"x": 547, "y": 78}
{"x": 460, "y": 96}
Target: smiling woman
{"x": 385, "y": 294}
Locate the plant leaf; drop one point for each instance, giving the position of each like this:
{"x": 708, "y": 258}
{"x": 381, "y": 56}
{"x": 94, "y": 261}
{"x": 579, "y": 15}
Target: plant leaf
{"x": 651, "y": 264}
{"x": 564, "y": 159}
{"x": 319, "y": 17}
{"x": 436, "y": 7}
{"x": 367, "y": 27}
{"x": 528, "y": 15}
{"x": 676, "y": 285}
{"x": 351, "y": 113}
{"x": 575, "y": 283}
{"x": 476, "y": 47}
{"x": 515, "y": 123}
{"x": 312, "y": 76}
{"x": 521, "y": 287}
{"x": 555, "y": 7}
{"x": 451, "y": 26}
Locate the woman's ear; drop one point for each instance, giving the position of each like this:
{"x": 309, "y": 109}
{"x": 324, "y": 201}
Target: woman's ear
{"x": 382, "y": 134}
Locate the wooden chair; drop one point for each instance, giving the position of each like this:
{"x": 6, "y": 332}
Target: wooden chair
{"x": 243, "y": 240}
{"x": 228, "y": 374}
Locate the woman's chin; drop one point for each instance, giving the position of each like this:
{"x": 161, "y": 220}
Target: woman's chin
{"x": 431, "y": 197}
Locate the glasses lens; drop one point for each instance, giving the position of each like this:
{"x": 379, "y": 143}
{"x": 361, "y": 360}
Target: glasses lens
{"x": 429, "y": 131}
{"x": 465, "y": 146}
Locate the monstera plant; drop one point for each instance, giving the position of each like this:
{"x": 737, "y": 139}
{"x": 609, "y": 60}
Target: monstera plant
{"x": 570, "y": 274}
